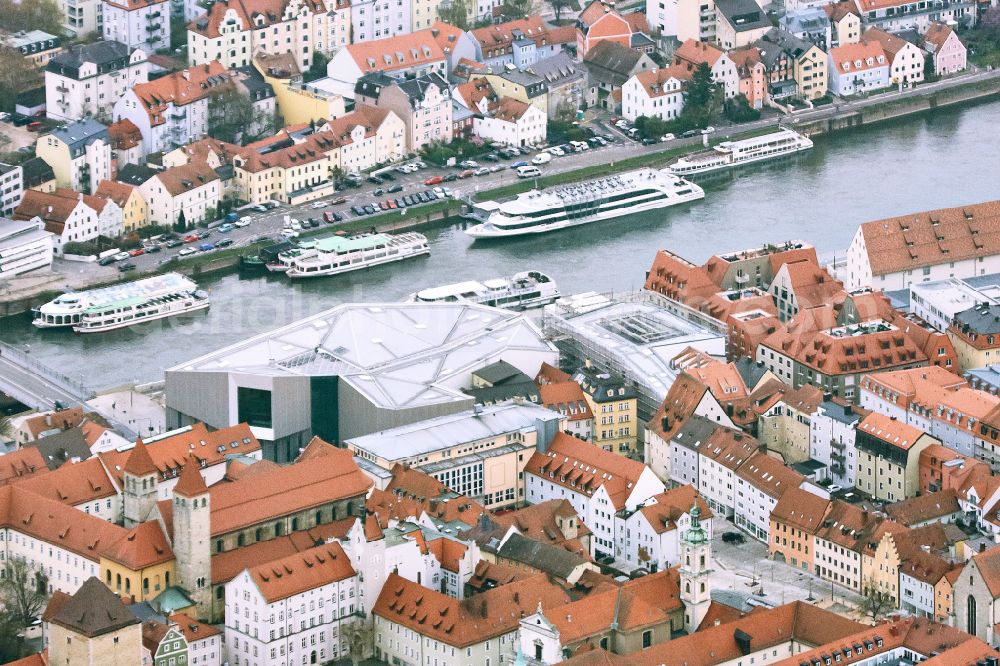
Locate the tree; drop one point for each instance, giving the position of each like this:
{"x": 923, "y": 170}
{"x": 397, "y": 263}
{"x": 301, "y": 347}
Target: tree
{"x": 233, "y": 118}
{"x": 17, "y": 75}
{"x": 559, "y": 5}
{"x": 651, "y": 127}
{"x": 31, "y": 15}
{"x": 6, "y": 427}
{"x": 455, "y": 12}
{"x": 359, "y": 635}
{"x": 738, "y": 109}
{"x": 22, "y": 591}
{"x": 875, "y": 602}
{"x": 317, "y": 70}
{"x": 181, "y": 224}
{"x": 700, "y": 95}
{"x": 11, "y": 641}
{"x": 565, "y": 111}
{"x": 518, "y": 9}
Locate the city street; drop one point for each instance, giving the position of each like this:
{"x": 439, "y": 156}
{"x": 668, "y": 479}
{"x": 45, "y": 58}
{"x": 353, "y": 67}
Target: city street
{"x": 269, "y": 224}
{"x": 744, "y": 568}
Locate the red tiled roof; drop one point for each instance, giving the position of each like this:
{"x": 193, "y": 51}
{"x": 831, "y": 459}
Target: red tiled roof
{"x": 663, "y": 511}
{"x": 180, "y": 88}
{"x": 25, "y": 463}
{"x": 406, "y": 51}
{"x": 145, "y": 545}
{"x": 301, "y": 572}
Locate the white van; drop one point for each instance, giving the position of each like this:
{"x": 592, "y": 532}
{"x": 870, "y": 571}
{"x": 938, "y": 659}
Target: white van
{"x": 528, "y": 172}
{"x": 541, "y": 158}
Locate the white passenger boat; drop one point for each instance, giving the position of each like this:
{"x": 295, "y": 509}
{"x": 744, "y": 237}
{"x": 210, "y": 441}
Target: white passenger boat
{"x": 341, "y": 254}
{"x": 521, "y": 291}
{"x": 122, "y": 305}
{"x": 537, "y": 211}
{"x": 746, "y": 151}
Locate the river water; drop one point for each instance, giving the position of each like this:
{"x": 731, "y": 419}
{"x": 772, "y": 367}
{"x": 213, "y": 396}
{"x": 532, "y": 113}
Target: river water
{"x": 947, "y": 158}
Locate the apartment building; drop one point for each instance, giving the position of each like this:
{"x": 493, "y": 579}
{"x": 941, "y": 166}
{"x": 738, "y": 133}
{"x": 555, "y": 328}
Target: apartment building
{"x": 71, "y": 216}
{"x": 899, "y": 15}
{"x": 11, "y": 187}
{"x": 946, "y": 49}
{"x": 656, "y": 93}
{"x": 650, "y": 534}
{"x": 139, "y": 24}
{"x": 512, "y": 123}
{"x": 292, "y": 610}
{"x": 88, "y": 79}
{"x": 233, "y": 33}
{"x": 692, "y": 53}
{"x": 172, "y": 111}
{"x": 906, "y": 60}
{"x": 79, "y": 154}
{"x": 423, "y": 103}
{"x": 794, "y": 522}
{"x": 521, "y": 43}
{"x": 888, "y": 454}
{"x": 24, "y": 246}
{"x": 188, "y": 193}
{"x": 37, "y": 46}
{"x": 614, "y": 405}
{"x": 596, "y": 482}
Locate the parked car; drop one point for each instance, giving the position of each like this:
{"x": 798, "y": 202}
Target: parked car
{"x": 225, "y": 242}
{"x": 185, "y": 251}
{"x": 152, "y": 249}
{"x": 35, "y": 126}
{"x": 667, "y": 137}
{"x": 557, "y": 151}
{"x": 357, "y": 210}
{"x": 313, "y": 222}
{"x": 469, "y": 164}
{"x": 434, "y": 180}
{"x": 496, "y": 167}
{"x": 689, "y": 134}
{"x": 491, "y": 157}
{"x": 482, "y": 171}
{"x": 176, "y": 242}
{"x": 137, "y": 252}
{"x": 121, "y": 256}
{"x": 541, "y": 158}
{"x": 226, "y": 228}
{"x": 370, "y": 209}
{"x": 420, "y": 164}
{"x": 204, "y": 234}
{"x": 375, "y": 180}
{"x": 400, "y": 203}
{"x": 242, "y": 222}
{"x": 288, "y": 234}
{"x": 205, "y": 247}
{"x": 394, "y": 189}
{"x": 430, "y": 195}
{"x": 648, "y": 141}
{"x": 450, "y": 178}
{"x": 733, "y": 537}
{"x": 127, "y": 266}
{"x": 468, "y": 173}
{"x": 378, "y": 192}
{"x": 518, "y": 164}
{"x": 106, "y": 261}
{"x": 708, "y": 130}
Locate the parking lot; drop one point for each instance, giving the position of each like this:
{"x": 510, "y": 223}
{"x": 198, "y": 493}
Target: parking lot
{"x": 257, "y": 225}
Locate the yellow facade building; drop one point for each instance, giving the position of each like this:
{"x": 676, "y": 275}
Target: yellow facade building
{"x": 888, "y": 457}
{"x": 615, "y": 408}
{"x": 134, "y": 211}
{"x": 140, "y": 565}
{"x": 810, "y": 71}
{"x": 297, "y": 102}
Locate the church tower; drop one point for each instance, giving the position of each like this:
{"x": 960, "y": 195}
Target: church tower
{"x": 139, "y": 478}
{"x": 696, "y": 560}
{"x": 192, "y": 532}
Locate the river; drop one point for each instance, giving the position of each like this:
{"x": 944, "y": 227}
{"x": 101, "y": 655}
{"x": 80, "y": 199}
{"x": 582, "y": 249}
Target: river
{"x": 947, "y": 158}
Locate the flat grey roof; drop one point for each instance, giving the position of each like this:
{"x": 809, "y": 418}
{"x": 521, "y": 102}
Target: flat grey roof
{"x": 443, "y": 432}
{"x": 14, "y": 233}
{"x": 396, "y": 354}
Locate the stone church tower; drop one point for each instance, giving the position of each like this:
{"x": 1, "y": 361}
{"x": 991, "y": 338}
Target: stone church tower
{"x": 192, "y": 532}
{"x": 696, "y": 562}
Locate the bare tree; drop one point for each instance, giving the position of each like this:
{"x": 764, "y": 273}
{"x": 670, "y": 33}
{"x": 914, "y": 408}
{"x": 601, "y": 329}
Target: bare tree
{"x": 359, "y": 636}
{"x": 22, "y": 591}
{"x": 875, "y": 602}
{"x": 559, "y": 5}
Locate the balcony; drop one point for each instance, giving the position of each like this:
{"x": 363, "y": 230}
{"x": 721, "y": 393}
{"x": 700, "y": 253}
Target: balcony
{"x": 62, "y": 88}
{"x": 177, "y": 115}
{"x": 153, "y": 16}
{"x": 839, "y": 457}
{"x": 153, "y": 27}
{"x": 837, "y": 444}
{"x": 742, "y": 279}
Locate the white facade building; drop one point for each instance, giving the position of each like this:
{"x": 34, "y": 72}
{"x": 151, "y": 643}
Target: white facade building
{"x": 377, "y": 19}
{"x": 858, "y": 68}
{"x": 24, "y": 246}
{"x": 139, "y": 24}
{"x": 291, "y": 611}
{"x": 650, "y": 536}
{"x": 11, "y": 187}
{"x": 596, "y": 482}
{"x": 513, "y": 123}
{"x": 831, "y": 441}
{"x": 87, "y": 79}
{"x": 655, "y": 93}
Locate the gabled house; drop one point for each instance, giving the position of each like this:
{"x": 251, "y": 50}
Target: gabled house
{"x": 906, "y": 61}
{"x": 423, "y": 104}
{"x": 946, "y": 49}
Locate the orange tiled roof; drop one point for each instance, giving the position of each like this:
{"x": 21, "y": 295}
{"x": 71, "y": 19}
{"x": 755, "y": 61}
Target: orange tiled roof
{"x": 499, "y": 38}
{"x": 145, "y": 545}
{"x": 891, "y": 44}
{"x": 301, "y": 572}
{"x": 124, "y": 134}
{"x": 117, "y": 192}
{"x": 801, "y": 509}
{"x": 301, "y": 485}
{"x": 473, "y": 620}
{"x": 769, "y": 475}
{"x": 849, "y": 58}
{"x": 566, "y": 397}
{"x": 25, "y": 463}
{"x": 812, "y": 285}
{"x": 890, "y": 430}
{"x": 186, "y": 177}
{"x": 54, "y": 208}
{"x": 937, "y": 33}
{"x": 540, "y": 522}
{"x": 227, "y": 565}
{"x": 56, "y": 523}
{"x": 583, "y": 467}
{"x": 680, "y": 280}
{"x": 510, "y": 109}
{"x": 912, "y": 241}
{"x": 252, "y": 14}
{"x": 836, "y": 11}
{"x": 192, "y": 629}
{"x": 696, "y": 52}
{"x": 180, "y": 88}
{"x": 664, "y": 510}
{"x": 415, "y": 49}
{"x": 74, "y": 483}
{"x": 167, "y": 456}
{"x": 652, "y": 80}
{"x": 448, "y": 552}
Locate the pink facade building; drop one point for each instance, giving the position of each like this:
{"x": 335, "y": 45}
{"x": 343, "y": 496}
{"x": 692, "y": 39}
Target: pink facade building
{"x": 946, "y": 48}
